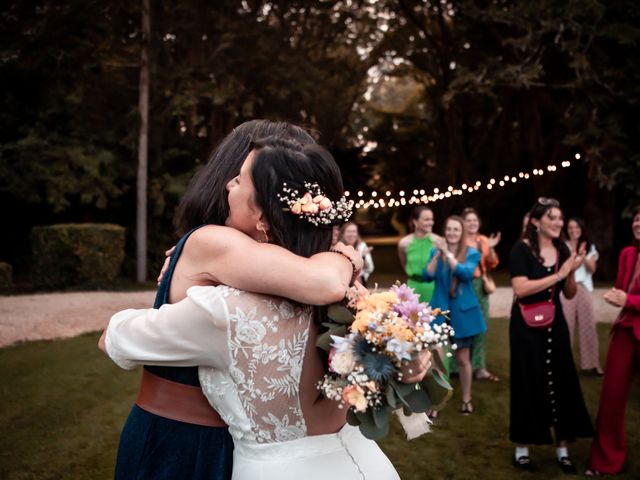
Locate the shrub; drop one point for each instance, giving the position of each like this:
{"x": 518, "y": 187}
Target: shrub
{"x": 6, "y": 278}
{"x": 84, "y": 254}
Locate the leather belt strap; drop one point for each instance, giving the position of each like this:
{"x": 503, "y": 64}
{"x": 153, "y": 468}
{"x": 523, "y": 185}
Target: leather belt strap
{"x": 176, "y": 401}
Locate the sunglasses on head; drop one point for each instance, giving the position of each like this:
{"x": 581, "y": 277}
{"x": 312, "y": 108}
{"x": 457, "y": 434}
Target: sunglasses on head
{"x": 548, "y": 202}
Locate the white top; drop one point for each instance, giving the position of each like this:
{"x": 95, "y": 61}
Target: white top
{"x": 368, "y": 267}
{"x": 250, "y": 350}
{"x": 249, "y": 347}
{"x": 582, "y": 275}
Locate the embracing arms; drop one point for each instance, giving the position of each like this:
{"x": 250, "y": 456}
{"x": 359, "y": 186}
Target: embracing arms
{"x": 215, "y": 254}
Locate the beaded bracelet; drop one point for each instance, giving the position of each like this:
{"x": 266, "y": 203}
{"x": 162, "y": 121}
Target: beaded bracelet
{"x": 354, "y": 274}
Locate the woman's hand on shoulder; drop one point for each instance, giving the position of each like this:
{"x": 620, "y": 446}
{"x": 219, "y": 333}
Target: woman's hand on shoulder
{"x": 165, "y": 265}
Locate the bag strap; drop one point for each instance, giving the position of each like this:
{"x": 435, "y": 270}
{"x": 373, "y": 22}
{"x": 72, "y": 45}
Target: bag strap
{"x": 555, "y": 270}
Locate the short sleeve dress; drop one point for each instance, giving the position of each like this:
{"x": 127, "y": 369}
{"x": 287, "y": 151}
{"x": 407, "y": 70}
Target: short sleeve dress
{"x": 545, "y": 390}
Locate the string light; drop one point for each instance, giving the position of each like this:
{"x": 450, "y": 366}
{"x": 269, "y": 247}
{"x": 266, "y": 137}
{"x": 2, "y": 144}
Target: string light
{"x": 420, "y": 197}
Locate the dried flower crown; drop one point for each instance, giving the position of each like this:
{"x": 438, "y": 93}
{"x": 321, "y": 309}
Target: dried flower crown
{"x": 314, "y": 206}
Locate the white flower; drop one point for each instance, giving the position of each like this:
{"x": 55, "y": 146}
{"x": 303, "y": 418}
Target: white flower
{"x": 251, "y": 332}
{"x": 400, "y": 348}
{"x": 343, "y": 362}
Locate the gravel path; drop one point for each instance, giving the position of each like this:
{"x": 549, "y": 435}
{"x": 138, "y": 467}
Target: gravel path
{"x": 62, "y": 315}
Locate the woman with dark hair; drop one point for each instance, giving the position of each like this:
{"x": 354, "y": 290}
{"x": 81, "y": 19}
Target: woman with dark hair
{"x": 579, "y": 310}
{"x": 545, "y": 391}
{"x": 415, "y": 248}
{"x": 172, "y": 431}
{"x": 609, "y": 448}
{"x": 258, "y": 362}
{"x": 451, "y": 264}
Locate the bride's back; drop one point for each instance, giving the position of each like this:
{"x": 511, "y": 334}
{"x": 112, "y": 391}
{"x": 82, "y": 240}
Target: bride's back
{"x": 274, "y": 367}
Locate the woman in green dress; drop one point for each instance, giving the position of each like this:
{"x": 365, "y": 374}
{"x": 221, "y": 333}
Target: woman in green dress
{"x": 414, "y": 251}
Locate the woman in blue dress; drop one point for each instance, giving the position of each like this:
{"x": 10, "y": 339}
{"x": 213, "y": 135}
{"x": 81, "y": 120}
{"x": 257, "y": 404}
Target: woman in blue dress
{"x": 172, "y": 432}
{"x": 451, "y": 264}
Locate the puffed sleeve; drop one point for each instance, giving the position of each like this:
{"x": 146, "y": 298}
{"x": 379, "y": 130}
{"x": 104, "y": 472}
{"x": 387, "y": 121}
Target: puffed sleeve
{"x": 518, "y": 260}
{"x": 192, "y": 332}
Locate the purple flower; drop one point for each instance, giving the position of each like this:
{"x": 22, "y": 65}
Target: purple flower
{"x": 405, "y": 293}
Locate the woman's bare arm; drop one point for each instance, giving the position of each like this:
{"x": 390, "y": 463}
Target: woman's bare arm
{"x": 224, "y": 255}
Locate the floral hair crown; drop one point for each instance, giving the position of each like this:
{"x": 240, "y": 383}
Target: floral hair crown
{"x": 314, "y": 206}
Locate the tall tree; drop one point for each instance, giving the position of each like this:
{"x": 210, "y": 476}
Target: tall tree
{"x": 143, "y": 146}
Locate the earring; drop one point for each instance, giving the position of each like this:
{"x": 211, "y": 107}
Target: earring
{"x": 261, "y": 228}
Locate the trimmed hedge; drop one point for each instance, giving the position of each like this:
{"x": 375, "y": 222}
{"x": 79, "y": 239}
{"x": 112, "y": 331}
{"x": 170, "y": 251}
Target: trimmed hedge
{"x": 76, "y": 254}
{"x": 6, "y": 278}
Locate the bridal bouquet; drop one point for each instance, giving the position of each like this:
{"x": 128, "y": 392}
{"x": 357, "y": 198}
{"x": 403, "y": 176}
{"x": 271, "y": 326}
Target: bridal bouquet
{"x": 368, "y": 341}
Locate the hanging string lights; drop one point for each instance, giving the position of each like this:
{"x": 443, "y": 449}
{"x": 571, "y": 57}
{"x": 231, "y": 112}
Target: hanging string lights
{"x": 386, "y": 199}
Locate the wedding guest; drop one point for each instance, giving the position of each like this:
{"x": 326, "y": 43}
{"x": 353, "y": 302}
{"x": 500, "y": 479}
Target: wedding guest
{"x": 415, "y": 248}
{"x": 609, "y": 448}
{"x": 579, "y": 310}
{"x": 483, "y": 286}
{"x": 544, "y": 387}
{"x": 350, "y": 235}
{"x": 451, "y": 264}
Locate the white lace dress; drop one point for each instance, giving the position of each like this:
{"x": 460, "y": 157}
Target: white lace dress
{"x": 250, "y": 350}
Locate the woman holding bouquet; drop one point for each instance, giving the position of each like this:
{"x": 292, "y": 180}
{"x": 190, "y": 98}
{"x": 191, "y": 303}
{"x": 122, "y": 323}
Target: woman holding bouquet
{"x": 451, "y": 264}
{"x": 258, "y": 363}
{"x": 545, "y": 391}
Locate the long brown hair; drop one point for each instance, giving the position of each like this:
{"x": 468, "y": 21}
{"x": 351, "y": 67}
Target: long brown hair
{"x": 461, "y": 253}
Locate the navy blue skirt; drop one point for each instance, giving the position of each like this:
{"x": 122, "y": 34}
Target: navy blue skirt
{"x": 153, "y": 447}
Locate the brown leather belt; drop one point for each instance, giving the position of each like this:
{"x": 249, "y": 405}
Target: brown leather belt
{"x": 184, "y": 403}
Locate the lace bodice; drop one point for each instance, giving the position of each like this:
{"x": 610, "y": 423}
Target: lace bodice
{"x": 267, "y": 339}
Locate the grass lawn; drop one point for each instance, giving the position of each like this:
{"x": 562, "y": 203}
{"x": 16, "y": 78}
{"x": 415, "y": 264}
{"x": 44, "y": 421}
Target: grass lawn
{"x": 63, "y": 405}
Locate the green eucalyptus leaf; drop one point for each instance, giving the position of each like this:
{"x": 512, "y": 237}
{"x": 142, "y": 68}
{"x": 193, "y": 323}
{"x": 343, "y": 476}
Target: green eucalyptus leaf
{"x": 437, "y": 388}
{"x": 381, "y": 416}
{"x": 340, "y": 314}
{"x": 368, "y": 426}
{"x": 352, "y": 418}
{"x": 391, "y": 397}
{"x": 438, "y": 361}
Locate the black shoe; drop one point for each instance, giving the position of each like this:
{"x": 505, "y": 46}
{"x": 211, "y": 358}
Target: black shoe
{"x": 522, "y": 463}
{"x": 567, "y": 466}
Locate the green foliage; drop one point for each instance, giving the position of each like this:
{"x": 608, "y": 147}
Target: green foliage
{"x": 6, "y": 277}
{"x": 86, "y": 255}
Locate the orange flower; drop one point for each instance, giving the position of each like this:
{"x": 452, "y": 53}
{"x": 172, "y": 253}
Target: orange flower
{"x": 354, "y": 397}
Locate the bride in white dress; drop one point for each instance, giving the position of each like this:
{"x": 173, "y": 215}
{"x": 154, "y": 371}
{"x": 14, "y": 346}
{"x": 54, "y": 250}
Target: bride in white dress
{"x": 258, "y": 364}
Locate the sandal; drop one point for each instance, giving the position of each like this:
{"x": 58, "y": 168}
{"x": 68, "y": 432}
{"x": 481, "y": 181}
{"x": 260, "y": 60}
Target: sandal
{"x": 467, "y": 408}
{"x": 567, "y": 466}
{"x": 592, "y": 472}
{"x": 487, "y": 375}
{"x": 522, "y": 463}
{"x": 432, "y": 414}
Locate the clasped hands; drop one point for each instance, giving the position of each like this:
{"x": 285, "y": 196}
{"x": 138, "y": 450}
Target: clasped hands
{"x": 616, "y": 297}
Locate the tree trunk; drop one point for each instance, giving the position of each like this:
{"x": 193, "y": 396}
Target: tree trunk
{"x": 143, "y": 146}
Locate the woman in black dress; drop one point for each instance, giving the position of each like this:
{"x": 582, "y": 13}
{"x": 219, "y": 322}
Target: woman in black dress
{"x": 545, "y": 391}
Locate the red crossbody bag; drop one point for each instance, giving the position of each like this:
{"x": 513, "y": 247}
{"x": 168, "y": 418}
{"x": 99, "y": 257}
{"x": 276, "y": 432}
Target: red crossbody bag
{"x": 541, "y": 314}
